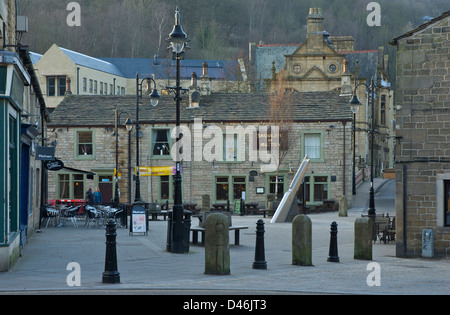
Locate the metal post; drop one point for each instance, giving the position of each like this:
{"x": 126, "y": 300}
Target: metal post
{"x": 372, "y": 211}
{"x": 137, "y": 196}
{"x": 116, "y": 175}
{"x": 178, "y": 226}
{"x": 333, "y": 253}
{"x": 260, "y": 260}
{"x": 111, "y": 275}
{"x": 354, "y": 156}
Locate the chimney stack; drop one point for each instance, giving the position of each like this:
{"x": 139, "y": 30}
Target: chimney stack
{"x": 206, "y": 81}
{"x": 68, "y": 86}
{"x": 315, "y": 30}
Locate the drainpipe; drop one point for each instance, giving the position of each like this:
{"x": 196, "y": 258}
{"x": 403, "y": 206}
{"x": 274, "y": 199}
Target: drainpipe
{"x": 405, "y": 169}
{"x": 343, "y": 155}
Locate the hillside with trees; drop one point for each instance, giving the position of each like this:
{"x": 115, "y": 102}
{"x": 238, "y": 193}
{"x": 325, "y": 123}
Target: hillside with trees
{"x": 217, "y": 29}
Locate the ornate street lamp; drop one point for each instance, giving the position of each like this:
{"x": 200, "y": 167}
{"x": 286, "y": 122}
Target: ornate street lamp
{"x": 354, "y": 106}
{"x": 177, "y": 39}
{"x": 128, "y": 126}
{"x": 356, "y": 102}
{"x": 154, "y": 99}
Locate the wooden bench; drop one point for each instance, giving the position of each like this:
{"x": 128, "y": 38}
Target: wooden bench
{"x": 196, "y": 229}
{"x": 266, "y": 212}
{"x": 155, "y": 213}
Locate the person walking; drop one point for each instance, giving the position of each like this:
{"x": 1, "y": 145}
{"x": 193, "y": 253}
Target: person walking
{"x": 89, "y": 197}
{"x": 97, "y": 196}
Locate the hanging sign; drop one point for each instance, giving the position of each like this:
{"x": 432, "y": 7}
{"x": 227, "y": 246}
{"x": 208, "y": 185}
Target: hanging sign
{"x": 54, "y": 166}
{"x": 45, "y": 153}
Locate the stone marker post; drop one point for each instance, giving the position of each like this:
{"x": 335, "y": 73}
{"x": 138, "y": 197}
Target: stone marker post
{"x": 217, "y": 249}
{"x": 302, "y": 241}
{"x": 343, "y": 207}
{"x": 363, "y": 238}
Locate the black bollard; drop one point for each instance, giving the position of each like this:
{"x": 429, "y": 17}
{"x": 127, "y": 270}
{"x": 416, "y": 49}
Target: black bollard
{"x": 111, "y": 275}
{"x": 260, "y": 260}
{"x": 333, "y": 256}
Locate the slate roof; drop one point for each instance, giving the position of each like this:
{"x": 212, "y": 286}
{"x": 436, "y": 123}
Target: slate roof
{"x": 91, "y": 62}
{"x": 217, "y": 69}
{"x": 91, "y": 111}
{"x": 421, "y": 27}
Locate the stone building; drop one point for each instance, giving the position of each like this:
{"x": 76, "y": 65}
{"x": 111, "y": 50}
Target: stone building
{"x": 61, "y": 70}
{"x": 330, "y": 63}
{"x": 225, "y": 138}
{"x": 423, "y": 137}
{"x": 23, "y": 117}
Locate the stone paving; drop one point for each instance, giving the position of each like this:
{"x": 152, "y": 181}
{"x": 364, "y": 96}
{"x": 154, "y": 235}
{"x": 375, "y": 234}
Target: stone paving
{"x": 144, "y": 264}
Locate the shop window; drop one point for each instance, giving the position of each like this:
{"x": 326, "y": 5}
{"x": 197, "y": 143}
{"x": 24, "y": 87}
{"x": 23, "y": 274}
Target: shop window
{"x": 223, "y": 184}
{"x": 222, "y": 188}
{"x": 316, "y": 189}
{"x": 276, "y": 187}
{"x": 64, "y": 186}
{"x": 164, "y": 184}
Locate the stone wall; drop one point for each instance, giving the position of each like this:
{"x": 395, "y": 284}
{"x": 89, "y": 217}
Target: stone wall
{"x": 198, "y": 176}
{"x": 423, "y": 146}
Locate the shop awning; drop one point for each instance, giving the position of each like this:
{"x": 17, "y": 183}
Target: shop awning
{"x": 90, "y": 175}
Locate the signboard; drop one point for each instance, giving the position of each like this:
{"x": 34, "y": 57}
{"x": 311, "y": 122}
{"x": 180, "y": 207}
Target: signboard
{"x": 54, "y": 166}
{"x": 138, "y": 220}
{"x": 45, "y": 153}
{"x": 156, "y": 171}
{"x": 237, "y": 206}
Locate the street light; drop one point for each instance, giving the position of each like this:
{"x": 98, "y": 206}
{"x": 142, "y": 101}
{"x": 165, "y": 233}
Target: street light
{"x": 354, "y": 106}
{"x": 154, "y": 99}
{"x": 355, "y": 102}
{"x": 129, "y": 126}
{"x": 177, "y": 39}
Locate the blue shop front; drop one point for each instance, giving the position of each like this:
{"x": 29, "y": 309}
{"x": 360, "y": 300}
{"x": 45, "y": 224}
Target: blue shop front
{"x": 13, "y": 79}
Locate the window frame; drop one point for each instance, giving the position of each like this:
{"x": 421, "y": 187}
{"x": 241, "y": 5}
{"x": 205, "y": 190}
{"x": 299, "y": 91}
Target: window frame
{"x": 321, "y": 159}
{"x": 153, "y": 144}
{"x": 78, "y": 156}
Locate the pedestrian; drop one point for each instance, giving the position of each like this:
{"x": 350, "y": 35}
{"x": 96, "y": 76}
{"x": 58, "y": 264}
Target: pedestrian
{"x": 89, "y": 197}
{"x": 97, "y": 196}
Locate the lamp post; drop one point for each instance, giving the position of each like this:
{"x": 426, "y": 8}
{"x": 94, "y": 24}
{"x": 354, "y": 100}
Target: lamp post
{"x": 129, "y": 126}
{"x": 177, "y": 39}
{"x": 355, "y": 102}
{"x": 354, "y": 108}
{"x": 154, "y": 99}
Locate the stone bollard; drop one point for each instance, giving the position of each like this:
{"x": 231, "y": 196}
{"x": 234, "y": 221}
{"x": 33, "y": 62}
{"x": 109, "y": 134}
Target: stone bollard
{"x": 333, "y": 254}
{"x": 111, "y": 275}
{"x": 206, "y": 202}
{"x": 217, "y": 249}
{"x": 343, "y": 207}
{"x": 302, "y": 241}
{"x": 260, "y": 256}
{"x": 363, "y": 239}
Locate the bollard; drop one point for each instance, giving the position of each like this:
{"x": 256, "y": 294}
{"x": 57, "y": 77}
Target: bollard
{"x": 302, "y": 241}
{"x": 111, "y": 275}
{"x": 260, "y": 260}
{"x": 363, "y": 239}
{"x": 333, "y": 255}
{"x": 217, "y": 249}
